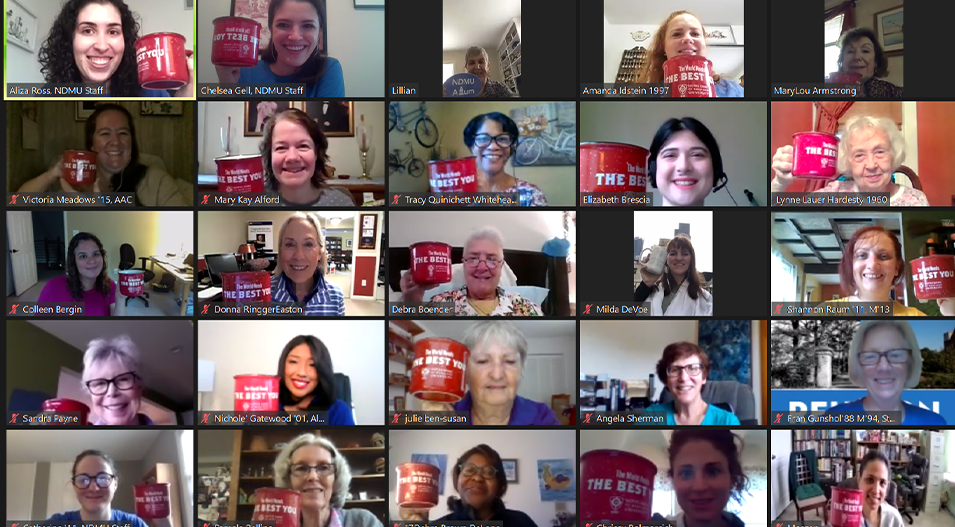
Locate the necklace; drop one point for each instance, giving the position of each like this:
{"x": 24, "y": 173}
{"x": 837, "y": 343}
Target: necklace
{"x": 483, "y": 312}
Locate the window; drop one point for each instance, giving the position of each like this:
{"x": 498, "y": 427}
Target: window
{"x": 447, "y": 70}
{"x": 783, "y": 279}
{"x": 832, "y": 32}
{"x": 186, "y": 461}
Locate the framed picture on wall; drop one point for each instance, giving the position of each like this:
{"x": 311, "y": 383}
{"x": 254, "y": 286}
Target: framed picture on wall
{"x": 258, "y": 113}
{"x": 84, "y": 109}
{"x": 369, "y": 231}
{"x": 21, "y": 26}
{"x": 258, "y": 10}
{"x": 888, "y": 29}
{"x": 510, "y": 470}
{"x": 337, "y": 118}
{"x": 399, "y": 404}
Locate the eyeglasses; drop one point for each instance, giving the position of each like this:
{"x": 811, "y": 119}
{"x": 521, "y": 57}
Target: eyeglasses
{"x": 323, "y": 470}
{"x": 470, "y": 469}
{"x": 871, "y": 358}
{"x": 122, "y": 381}
{"x": 692, "y": 369}
{"x": 474, "y": 262}
{"x": 103, "y": 480}
{"x": 503, "y": 140}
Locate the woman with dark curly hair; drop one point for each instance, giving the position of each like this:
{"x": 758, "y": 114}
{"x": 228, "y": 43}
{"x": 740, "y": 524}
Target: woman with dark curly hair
{"x": 860, "y": 52}
{"x": 295, "y": 53}
{"x": 111, "y": 134}
{"x": 295, "y": 159}
{"x": 86, "y": 280}
{"x": 93, "y": 42}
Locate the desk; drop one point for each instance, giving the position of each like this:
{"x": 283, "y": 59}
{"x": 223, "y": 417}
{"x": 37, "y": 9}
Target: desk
{"x": 172, "y": 266}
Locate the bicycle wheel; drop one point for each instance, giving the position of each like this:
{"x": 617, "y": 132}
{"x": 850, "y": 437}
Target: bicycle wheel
{"x": 393, "y": 163}
{"x": 529, "y": 151}
{"x": 392, "y": 117}
{"x": 416, "y": 167}
{"x": 426, "y": 132}
{"x": 571, "y": 144}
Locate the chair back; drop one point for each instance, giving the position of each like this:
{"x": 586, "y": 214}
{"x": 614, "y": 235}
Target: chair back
{"x": 913, "y": 177}
{"x": 127, "y": 256}
{"x": 805, "y": 467}
{"x": 343, "y": 392}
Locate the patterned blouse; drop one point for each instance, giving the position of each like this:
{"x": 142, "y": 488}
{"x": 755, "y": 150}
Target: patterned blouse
{"x": 496, "y": 89}
{"x": 904, "y": 197}
{"x": 508, "y": 304}
{"x": 880, "y": 89}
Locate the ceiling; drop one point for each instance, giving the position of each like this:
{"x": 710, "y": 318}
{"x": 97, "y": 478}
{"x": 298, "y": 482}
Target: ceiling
{"x": 469, "y": 24}
{"x": 170, "y": 374}
{"x": 724, "y": 12}
{"x": 54, "y": 446}
{"x": 653, "y": 444}
{"x": 818, "y": 239}
{"x": 454, "y": 329}
{"x": 347, "y": 219}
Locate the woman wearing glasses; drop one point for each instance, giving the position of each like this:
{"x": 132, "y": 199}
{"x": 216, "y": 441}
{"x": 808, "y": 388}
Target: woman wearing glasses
{"x": 885, "y": 358}
{"x": 479, "y": 478}
{"x": 110, "y": 374}
{"x": 492, "y": 139}
{"x": 684, "y": 368}
{"x": 495, "y": 369}
{"x": 311, "y": 465}
{"x": 308, "y": 381}
{"x": 95, "y": 482}
{"x": 481, "y": 295}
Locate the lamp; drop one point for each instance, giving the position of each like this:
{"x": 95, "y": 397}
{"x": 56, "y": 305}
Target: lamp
{"x": 206, "y": 370}
{"x": 247, "y": 250}
{"x": 363, "y": 136}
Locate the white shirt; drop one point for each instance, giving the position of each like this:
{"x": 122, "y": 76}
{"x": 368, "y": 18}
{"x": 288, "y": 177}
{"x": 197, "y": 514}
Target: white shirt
{"x": 682, "y": 304}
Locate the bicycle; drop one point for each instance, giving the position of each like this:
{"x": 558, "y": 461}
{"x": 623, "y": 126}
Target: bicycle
{"x": 529, "y": 150}
{"x": 396, "y": 163}
{"x": 425, "y": 131}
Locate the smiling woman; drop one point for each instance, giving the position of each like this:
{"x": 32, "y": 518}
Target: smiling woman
{"x": 302, "y": 262}
{"x": 685, "y": 367}
{"x": 95, "y": 482}
{"x": 308, "y": 380}
{"x": 111, "y": 376}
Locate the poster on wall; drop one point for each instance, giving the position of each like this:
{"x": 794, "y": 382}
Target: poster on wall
{"x": 555, "y": 478}
{"x": 260, "y": 232}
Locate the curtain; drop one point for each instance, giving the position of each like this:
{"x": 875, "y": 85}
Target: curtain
{"x": 827, "y": 121}
{"x": 848, "y": 10}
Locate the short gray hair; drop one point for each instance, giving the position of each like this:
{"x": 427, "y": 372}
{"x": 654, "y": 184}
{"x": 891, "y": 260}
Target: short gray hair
{"x": 485, "y": 233}
{"x": 859, "y": 123}
{"x": 501, "y": 332}
{"x": 121, "y": 348}
{"x": 283, "y": 467}
{"x": 475, "y": 50}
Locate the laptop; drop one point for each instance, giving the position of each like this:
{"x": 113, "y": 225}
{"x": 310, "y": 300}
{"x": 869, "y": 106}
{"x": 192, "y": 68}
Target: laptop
{"x": 218, "y": 264}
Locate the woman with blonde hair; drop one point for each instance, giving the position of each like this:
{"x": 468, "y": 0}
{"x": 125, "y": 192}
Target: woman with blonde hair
{"x": 302, "y": 262}
{"x": 681, "y": 33}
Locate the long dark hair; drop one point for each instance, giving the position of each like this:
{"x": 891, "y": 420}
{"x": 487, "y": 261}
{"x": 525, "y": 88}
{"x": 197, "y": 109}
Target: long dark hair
{"x": 128, "y": 179}
{"x": 324, "y": 394}
{"x": 314, "y": 67}
{"x": 314, "y": 131}
{"x": 722, "y": 440}
{"x": 674, "y": 126}
{"x": 58, "y": 64}
{"x": 681, "y": 241}
{"x": 73, "y": 272}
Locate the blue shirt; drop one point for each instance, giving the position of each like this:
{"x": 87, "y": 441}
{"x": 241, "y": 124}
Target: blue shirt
{"x": 728, "y": 88}
{"x": 115, "y": 516}
{"x": 914, "y": 416}
{"x": 325, "y": 299}
{"x": 524, "y": 412}
{"x": 714, "y": 416}
{"x": 331, "y": 84}
{"x": 338, "y": 413}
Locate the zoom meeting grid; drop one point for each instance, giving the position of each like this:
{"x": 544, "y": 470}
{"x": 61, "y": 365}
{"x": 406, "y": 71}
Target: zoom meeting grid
{"x": 189, "y": 182}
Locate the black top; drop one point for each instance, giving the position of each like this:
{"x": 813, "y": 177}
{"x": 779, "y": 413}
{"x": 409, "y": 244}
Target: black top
{"x": 511, "y": 518}
{"x": 642, "y": 292}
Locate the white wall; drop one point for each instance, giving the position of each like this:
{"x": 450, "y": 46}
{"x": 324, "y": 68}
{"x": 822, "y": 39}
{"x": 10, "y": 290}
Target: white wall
{"x": 169, "y": 16}
{"x": 727, "y": 60}
{"x": 523, "y": 230}
{"x": 342, "y": 151}
{"x": 356, "y": 37}
{"x": 165, "y": 449}
{"x": 20, "y": 478}
{"x": 527, "y": 446}
{"x": 356, "y": 347}
{"x": 739, "y": 129}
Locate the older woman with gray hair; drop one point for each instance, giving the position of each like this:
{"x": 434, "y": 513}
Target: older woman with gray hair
{"x": 111, "y": 376}
{"x": 311, "y": 465}
{"x": 871, "y": 150}
{"x": 482, "y": 294}
{"x": 495, "y": 370}
{"x": 476, "y": 63}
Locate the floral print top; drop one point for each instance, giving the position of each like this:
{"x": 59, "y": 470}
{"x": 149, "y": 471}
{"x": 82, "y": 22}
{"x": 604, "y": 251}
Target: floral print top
{"x": 509, "y": 304}
{"x": 531, "y": 195}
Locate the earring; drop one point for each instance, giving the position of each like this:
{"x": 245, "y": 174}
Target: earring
{"x": 666, "y": 269}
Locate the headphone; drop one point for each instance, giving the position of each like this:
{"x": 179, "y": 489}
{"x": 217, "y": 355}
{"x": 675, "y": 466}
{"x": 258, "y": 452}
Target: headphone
{"x": 719, "y": 177}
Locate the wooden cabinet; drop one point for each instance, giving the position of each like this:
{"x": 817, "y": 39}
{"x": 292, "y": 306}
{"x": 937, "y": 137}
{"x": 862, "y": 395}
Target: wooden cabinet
{"x": 254, "y": 452}
{"x": 509, "y": 54}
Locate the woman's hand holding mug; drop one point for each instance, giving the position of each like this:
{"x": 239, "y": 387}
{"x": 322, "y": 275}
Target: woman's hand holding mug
{"x": 783, "y": 165}
{"x": 413, "y": 515}
{"x": 648, "y": 277}
{"x": 411, "y": 291}
{"x": 228, "y": 74}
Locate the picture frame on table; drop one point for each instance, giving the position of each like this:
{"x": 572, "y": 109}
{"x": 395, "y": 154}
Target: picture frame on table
{"x": 399, "y": 404}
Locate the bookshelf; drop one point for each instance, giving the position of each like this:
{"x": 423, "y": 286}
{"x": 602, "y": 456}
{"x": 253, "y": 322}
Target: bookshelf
{"x": 833, "y": 450}
{"x": 509, "y": 53}
{"x": 401, "y": 335}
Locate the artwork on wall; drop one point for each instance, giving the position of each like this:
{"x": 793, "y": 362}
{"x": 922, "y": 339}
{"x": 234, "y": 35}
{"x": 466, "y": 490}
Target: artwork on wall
{"x": 888, "y": 29}
{"x": 548, "y": 134}
{"x": 438, "y": 460}
{"x": 719, "y": 36}
{"x": 336, "y": 118}
{"x": 258, "y": 113}
{"x": 161, "y": 108}
{"x": 556, "y": 480}
{"x": 21, "y": 26}
{"x": 728, "y": 345}
{"x": 510, "y": 470}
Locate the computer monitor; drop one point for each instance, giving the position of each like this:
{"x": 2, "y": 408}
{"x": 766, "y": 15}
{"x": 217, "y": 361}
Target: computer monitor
{"x": 220, "y": 263}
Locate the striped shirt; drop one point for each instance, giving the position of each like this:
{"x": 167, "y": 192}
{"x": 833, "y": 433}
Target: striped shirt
{"x": 325, "y": 299}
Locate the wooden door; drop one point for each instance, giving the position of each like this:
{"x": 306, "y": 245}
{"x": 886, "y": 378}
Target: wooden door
{"x": 22, "y": 251}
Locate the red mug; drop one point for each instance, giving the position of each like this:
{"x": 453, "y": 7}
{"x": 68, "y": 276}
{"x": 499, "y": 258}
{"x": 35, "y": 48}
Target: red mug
{"x": 161, "y": 61}
{"x": 79, "y": 167}
{"x": 689, "y": 76}
{"x": 845, "y": 507}
{"x": 235, "y": 41}
{"x": 843, "y": 77}
{"x": 67, "y": 405}
{"x": 616, "y": 486}
{"x": 152, "y": 501}
{"x": 438, "y": 372}
{"x": 282, "y": 506}
{"x": 814, "y": 155}
{"x": 933, "y": 276}
{"x": 613, "y": 167}
{"x": 453, "y": 175}
{"x": 131, "y": 282}
{"x": 417, "y": 485}
{"x": 256, "y": 393}
{"x": 241, "y": 173}
{"x": 249, "y": 286}
{"x": 431, "y": 263}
